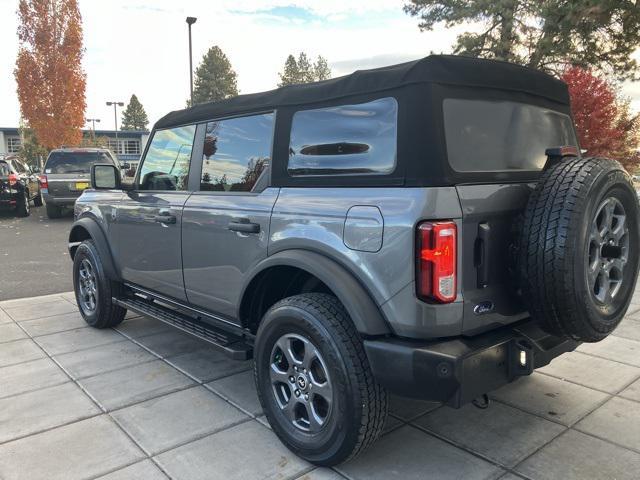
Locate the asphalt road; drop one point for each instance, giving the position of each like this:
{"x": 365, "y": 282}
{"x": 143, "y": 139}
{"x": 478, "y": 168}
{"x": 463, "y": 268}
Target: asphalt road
{"x": 33, "y": 255}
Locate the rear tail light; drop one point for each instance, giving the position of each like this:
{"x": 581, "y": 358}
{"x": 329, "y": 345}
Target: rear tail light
{"x": 436, "y": 247}
{"x": 13, "y": 179}
{"x": 44, "y": 182}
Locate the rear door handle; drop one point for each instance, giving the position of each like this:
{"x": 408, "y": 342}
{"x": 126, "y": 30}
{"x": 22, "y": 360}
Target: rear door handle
{"x": 165, "y": 218}
{"x": 243, "y": 225}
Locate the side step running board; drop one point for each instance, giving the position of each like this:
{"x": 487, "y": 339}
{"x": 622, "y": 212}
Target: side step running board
{"x": 232, "y": 345}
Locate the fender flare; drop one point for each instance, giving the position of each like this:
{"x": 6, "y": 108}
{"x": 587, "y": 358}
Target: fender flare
{"x": 362, "y": 309}
{"x": 99, "y": 239}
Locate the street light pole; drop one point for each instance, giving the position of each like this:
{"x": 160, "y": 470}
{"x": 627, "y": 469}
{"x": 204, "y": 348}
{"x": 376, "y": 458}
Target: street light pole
{"x": 191, "y": 21}
{"x": 93, "y": 123}
{"x": 115, "y": 119}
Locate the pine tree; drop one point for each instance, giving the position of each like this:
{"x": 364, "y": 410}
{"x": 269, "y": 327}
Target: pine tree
{"x": 290, "y": 74}
{"x": 547, "y": 35}
{"x": 303, "y": 71}
{"x": 215, "y": 78}
{"x": 134, "y": 117}
{"x": 321, "y": 69}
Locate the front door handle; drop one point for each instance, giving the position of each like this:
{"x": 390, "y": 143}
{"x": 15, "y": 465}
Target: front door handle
{"x": 243, "y": 225}
{"x": 166, "y": 218}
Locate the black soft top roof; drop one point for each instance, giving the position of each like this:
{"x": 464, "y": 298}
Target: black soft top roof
{"x": 441, "y": 69}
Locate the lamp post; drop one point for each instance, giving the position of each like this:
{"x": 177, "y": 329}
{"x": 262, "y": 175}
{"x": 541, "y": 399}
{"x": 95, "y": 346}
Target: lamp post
{"x": 93, "y": 128}
{"x": 115, "y": 119}
{"x": 191, "y": 21}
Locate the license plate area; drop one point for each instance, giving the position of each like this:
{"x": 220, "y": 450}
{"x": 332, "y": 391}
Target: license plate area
{"x": 78, "y": 186}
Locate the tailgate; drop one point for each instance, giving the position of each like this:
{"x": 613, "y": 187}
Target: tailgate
{"x": 68, "y": 185}
{"x": 491, "y": 214}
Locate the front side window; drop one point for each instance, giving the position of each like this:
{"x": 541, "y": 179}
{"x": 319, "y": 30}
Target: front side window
{"x": 345, "y": 139}
{"x": 491, "y": 136}
{"x": 236, "y": 152}
{"x": 166, "y": 164}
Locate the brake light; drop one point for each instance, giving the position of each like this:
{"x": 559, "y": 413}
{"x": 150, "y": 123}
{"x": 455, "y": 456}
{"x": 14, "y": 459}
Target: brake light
{"x": 44, "y": 182}
{"x": 436, "y": 247}
{"x": 13, "y": 179}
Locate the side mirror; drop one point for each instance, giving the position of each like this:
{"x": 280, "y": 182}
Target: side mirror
{"x": 35, "y": 169}
{"x": 125, "y": 166}
{"x": 105, "y": 177}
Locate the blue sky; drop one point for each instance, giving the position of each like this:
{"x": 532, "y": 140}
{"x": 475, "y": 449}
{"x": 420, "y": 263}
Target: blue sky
{"x": 140, "y": 46}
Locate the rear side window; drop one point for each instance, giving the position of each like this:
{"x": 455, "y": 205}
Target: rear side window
{"x": 490, "y": 136}
{"x": 345, "y": 139}
{"x": 74, "y": 162}
{"x": 236, "y": 153}
{"x": 166, "y": 164}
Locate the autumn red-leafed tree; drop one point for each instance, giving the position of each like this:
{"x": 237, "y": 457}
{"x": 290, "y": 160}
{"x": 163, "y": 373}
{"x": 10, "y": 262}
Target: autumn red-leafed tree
{"x": 51, "y": 82}
{"x": 605, "y": 124}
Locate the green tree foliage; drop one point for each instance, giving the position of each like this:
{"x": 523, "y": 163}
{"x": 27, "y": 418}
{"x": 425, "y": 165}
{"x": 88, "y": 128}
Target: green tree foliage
{"x": 215, "y": 78}
{"x": 321, "y": 69}
{"x": 31, "y": 151}
{"x": 545, "y": 34}
{"x": 303, "y": 70}
{"x": 134, "y": 117}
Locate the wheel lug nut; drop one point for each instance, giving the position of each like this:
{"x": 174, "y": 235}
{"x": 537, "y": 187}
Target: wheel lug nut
{"x": 305, "y": 370}
{"x": 292, "y": 379}
{"x": 306, "y": 397}
{"x": 297, "y": 392}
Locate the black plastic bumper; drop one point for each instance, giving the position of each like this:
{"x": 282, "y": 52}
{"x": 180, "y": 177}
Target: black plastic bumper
{"x": 456, "y": 371}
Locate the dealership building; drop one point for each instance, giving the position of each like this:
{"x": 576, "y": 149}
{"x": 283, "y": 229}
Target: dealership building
{"x": 128, "y": 145}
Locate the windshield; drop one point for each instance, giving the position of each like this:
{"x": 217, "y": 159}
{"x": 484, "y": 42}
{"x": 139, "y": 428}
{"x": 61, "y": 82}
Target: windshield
{"x": 74, "y": 162}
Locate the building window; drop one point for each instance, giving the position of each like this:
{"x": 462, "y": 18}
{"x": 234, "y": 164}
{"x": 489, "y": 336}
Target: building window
{"x": 14, "y": 144}
{"x": 131, "y": 147}
{"x": 114, "y": 146}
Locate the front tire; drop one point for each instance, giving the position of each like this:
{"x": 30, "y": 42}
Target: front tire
{"x": 94, "y": 291}
{"x": 314, "y": 380}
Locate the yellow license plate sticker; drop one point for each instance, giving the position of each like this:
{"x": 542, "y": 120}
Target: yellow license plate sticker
{"x": 82, "y": 185}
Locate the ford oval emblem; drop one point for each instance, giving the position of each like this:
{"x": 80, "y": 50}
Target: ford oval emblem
{"x": 483, "y": 307}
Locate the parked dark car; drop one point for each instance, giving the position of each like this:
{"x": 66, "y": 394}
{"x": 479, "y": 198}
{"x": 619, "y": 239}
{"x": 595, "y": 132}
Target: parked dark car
{"x": 67, "y": 173}
{"x": 18, "y": 186}
{"x": 428, "y": 229}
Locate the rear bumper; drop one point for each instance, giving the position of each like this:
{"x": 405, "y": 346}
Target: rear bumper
{"x": 455, "y": 371}
{"x": 66, "y": 201}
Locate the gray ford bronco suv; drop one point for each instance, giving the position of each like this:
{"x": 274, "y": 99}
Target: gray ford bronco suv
{"x": 429, "y": 229}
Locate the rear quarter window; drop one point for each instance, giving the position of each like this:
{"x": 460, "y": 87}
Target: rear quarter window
{"x": 345, "y": 139}
{"x": 495, "y": 136}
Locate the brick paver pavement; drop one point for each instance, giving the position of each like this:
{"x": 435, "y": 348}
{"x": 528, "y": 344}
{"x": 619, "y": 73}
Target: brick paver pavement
{"x": 144, "y": 401}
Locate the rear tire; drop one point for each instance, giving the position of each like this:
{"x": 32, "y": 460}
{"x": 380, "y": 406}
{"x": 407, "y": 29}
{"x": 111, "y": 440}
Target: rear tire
{"x": 578, "y": 258}
{"x": 94, "y": 291}
{"x": 333, "y": 409}
{"x": 53, "y": 211}
{"x": 37, "y": 201}
{"x": 23, "y": 209}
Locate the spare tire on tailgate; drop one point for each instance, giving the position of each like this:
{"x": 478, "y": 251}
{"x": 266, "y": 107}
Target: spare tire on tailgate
{"x": 578, "y": 250}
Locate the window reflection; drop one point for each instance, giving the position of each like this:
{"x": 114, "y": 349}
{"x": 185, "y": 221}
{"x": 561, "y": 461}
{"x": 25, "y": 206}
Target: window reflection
{"x": 346, "y": 139}
{"x": 166, "y": 165}
{"x": 236, "y": 153}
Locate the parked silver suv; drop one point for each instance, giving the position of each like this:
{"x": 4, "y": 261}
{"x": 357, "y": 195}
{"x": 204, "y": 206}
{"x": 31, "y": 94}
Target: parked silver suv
{"x": 428, "y": 229}
{"x": 67, "y": 174}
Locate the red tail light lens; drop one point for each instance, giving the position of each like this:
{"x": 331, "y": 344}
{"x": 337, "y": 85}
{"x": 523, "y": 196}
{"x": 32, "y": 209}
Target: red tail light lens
{"x": 13, "y": 179}
{"x": 44, "y": 182}
{"x": 436, "y": 261}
